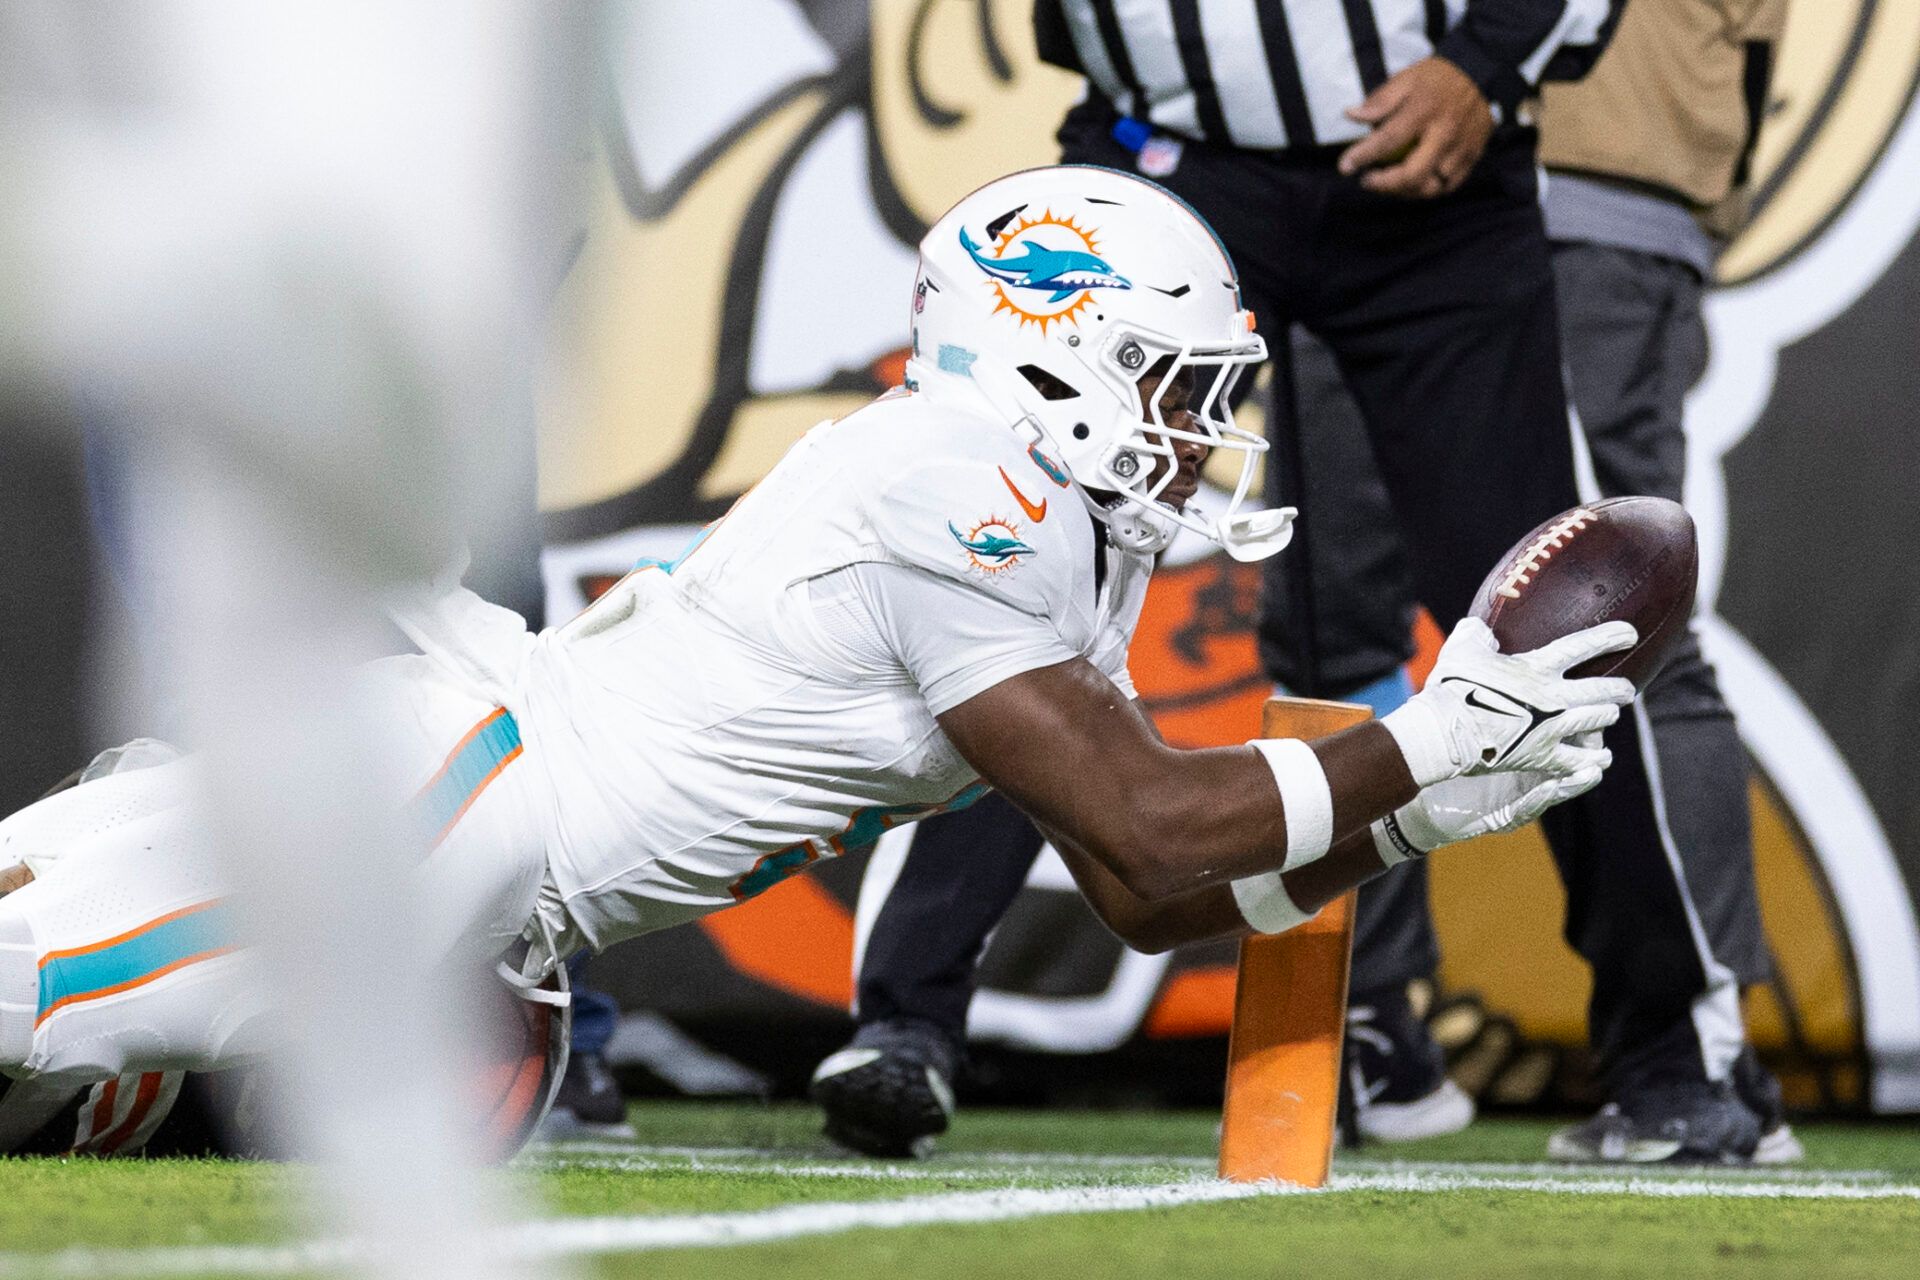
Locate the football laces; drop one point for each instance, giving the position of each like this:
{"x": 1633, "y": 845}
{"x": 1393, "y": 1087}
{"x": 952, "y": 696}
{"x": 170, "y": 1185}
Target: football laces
{"x": 1541, "y": 549}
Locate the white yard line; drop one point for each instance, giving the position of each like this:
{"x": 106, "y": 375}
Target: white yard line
{"x": 1657, "y": 1187}
{"x": 1068, "y": 1159}
{"x": 559, "y": 1237}
{"x": 1554, "y": 1169}
{"x": 947, "y": 1164}
{"x": 1011, "y": 1168}
{"x": 601, "y": 1146}
{"x": 771, "y": 1168}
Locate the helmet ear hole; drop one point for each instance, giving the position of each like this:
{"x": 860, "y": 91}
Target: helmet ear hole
{"x": 1081, "y": 431}
{"x": 1050, "y": 386}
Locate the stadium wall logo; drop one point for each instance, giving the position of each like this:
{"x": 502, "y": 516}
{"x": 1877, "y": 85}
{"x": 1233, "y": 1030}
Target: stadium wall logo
{"x": 1835, "y": 204}
{"x": 705, "y": 330}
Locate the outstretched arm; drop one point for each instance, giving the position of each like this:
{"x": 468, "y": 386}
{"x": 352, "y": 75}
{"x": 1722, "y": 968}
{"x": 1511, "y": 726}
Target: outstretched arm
{"x": 1157, "y": 836}
{"x": 1083, "y": 761}
{"x": 1213, "y": 912}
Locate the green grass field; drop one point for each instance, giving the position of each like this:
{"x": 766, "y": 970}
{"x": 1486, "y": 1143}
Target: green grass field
{"x": 746, "y": 1192}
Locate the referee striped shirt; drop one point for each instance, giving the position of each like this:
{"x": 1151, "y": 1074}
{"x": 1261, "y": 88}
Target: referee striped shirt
{"x": 1282, "y": 73}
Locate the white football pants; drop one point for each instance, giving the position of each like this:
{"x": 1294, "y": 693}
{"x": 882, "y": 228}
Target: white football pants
{"x": 122, "y": 954}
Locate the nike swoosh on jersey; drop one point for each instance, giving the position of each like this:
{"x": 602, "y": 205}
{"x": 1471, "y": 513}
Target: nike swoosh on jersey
{"x": 1036, "y": 512}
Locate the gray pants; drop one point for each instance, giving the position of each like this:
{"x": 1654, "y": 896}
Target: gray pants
{"x": 1634, "y": 343}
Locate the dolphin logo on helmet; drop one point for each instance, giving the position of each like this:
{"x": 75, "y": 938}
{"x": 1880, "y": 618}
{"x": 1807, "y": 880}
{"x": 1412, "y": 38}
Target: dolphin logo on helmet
{"x": 1069, "y": 370}
{"x": 1062, "y": 272}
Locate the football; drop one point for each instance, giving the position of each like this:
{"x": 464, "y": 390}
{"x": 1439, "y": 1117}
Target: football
{"x": 1629, "y": 558}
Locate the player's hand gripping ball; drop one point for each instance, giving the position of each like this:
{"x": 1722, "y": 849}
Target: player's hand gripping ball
{"x": 1630, "y": 559}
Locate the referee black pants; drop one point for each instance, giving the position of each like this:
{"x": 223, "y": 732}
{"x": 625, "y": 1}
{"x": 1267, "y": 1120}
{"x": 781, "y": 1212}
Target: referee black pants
{"x": 1441, "y": 317}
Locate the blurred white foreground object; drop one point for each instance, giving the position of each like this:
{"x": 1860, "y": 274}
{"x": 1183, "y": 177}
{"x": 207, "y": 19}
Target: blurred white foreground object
{"x": 293, "y": 253}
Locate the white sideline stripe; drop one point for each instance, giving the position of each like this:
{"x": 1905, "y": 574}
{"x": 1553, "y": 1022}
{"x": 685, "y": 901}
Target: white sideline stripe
{"x": 949, "y": 1163}
{"x": 563, "y": 1237}
{"x": 966, "y": 1166}
{"x": 1560, "y": 1170}
{"x": 877, "y": 1173}
{"x": 602, "y": 1146}
{"x": 1656, "y": 1188}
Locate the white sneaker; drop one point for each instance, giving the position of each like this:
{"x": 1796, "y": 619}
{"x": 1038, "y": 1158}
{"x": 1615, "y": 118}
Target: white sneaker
{"x": 1446, "y": 1110}
{"x": 1779, "y": 1146}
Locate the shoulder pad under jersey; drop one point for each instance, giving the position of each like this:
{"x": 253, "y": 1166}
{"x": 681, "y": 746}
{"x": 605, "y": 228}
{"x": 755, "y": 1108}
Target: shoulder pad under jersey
{"x": 966, "y": 498}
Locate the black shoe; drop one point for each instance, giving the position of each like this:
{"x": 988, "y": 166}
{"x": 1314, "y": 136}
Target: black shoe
{"x": 588, "y": 1094}
{"x": 1756, "y": 1087}
{"x": 890, "y": 1091}
{"x": 1397, "y": 1075}
{"x": 1678, "y": 1122}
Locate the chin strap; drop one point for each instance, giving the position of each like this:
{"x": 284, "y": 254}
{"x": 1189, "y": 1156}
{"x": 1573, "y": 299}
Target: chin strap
{"x": 1255, "y": 535}
{"x": 1247, "y": 536}
{"x": 531, "y": 961}
{"x": 1136, "y": 529}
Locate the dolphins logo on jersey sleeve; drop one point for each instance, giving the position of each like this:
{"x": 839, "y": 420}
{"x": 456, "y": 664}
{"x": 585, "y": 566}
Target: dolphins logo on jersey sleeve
{"x": 993, "y": 545}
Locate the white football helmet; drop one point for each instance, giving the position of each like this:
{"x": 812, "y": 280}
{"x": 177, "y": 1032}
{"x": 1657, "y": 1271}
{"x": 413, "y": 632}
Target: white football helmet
{"x": 1052, "y": 293}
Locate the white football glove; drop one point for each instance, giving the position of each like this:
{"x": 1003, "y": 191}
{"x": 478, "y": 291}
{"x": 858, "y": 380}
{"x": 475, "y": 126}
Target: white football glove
{"x": 1462, "y": 808}
{"x": 1483, "y": 711}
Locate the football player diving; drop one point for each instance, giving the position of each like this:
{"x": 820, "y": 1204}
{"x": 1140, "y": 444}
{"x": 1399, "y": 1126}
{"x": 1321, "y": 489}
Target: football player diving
{"x": 929, "y": 597}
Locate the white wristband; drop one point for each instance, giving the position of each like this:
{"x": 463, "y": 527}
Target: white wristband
{"x": 1422, "y": 737}
{"x": 1390, "y": 841}
{"x": 1266, "y": 905}
{"x": 1305, "y": 796}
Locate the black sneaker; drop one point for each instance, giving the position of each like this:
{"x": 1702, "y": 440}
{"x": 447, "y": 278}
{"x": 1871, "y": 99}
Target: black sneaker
{"x": 1679, "y": 1122}
{"x": 890, "y": 1092}
{"x": 588, "y": 1096}
{"x": 1396, "y": 1074}
{"x": 1757, "y": 1088}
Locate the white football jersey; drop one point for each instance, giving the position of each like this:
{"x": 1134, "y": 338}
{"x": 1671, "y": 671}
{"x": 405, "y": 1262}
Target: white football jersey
{"x": 713, "y": 724}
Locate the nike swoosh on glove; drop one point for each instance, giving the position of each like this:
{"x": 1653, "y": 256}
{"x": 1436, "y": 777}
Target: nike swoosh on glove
{"x": 1483, "y": 711}
{"x": 1488, "y": 804}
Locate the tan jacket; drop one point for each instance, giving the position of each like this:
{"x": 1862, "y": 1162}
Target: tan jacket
{"x": 1666, "y": 103}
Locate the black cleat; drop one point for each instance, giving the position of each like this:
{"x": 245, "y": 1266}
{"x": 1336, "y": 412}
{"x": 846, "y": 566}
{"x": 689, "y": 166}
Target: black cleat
{"x": 1682, "y": 1122}
{"x": 1396, "y": 1074}
{"x": 890, "y": 1092}
{"x": 589, "y": 1097}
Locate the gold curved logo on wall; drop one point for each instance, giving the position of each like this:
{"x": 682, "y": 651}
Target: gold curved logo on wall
{"x": 1845, "y": 72}
{"x": 647, "y": 415}
{"x": 960, "y": 97}
{"x": 640, "y": 323}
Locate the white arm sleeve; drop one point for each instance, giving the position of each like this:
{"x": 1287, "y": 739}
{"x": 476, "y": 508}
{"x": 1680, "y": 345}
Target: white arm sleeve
{"x": 955, "y": 641}
{"x": 1110, "y": 655}
{"x": 1127, "y": 592}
